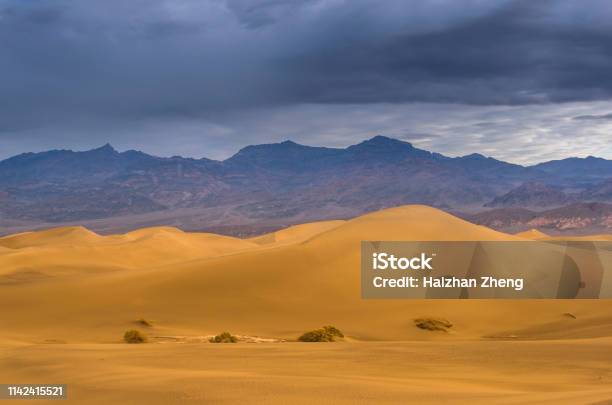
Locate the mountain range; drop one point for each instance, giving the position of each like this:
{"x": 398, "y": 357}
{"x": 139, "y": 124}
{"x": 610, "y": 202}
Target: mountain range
{"x": 575, "y": 219}
{"x": 279, "y": 184}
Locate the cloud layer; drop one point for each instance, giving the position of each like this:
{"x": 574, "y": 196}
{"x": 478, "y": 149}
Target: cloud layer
{"x": 76, "y": 73}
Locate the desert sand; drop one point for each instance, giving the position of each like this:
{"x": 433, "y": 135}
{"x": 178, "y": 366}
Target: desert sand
{"x": 534, "y": 234}
{"x": 68, "y": 295}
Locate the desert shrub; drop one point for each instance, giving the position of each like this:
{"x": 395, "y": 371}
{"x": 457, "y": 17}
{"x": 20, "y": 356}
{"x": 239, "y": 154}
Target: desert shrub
{"x": 134, "y": 336}
{"x": 317, "y": 335}
{"x": 224, "y": 337}
{"x": 144, "y": 322}
{"x": 333, "y": 331}
{"x": 433, "y": 324}
{"x": 324, "y": 334}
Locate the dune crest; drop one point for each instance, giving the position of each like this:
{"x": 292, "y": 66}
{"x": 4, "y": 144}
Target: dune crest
{"x": 532, "y": 234}
{"x": 69, "y": 235}
{"x": 409, "y": 222}
{"x": 77, "y": 250}
{"x": 297, "y": 233}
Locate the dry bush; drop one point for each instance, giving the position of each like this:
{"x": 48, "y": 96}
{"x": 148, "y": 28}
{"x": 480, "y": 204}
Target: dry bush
{"x": 325, "y": 334}
{"x": 224, "y": 337}
{"x": 433, "y": 324}
{"x": 134, "y": 336}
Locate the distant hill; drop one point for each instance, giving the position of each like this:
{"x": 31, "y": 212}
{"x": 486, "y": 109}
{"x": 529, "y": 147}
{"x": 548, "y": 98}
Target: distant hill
{"x": 537, "y": 195}
{"x": 578, "y": 169}
{"x": 279, "y": 183}
{"x": 598, "y": 192}
{"x": 577, "y": 218}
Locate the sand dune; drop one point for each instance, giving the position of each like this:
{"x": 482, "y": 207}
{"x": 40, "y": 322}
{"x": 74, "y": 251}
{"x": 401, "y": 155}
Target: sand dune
{"x": 76, "y": 250}
{"x": 532, "y": 234}
{"x": 539, "y": 235}
{"x": 202, "y": 283}
{"x": 70, "y": 285}
{"x": 296, "y": 233}
{"x": 64, "y": 236}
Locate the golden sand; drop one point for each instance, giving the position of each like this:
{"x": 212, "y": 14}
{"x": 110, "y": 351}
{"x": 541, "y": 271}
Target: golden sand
{"x": 68, "y": 295}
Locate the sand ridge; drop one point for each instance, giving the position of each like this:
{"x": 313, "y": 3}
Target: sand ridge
{"x": 76, "y": 250}
{"x": 536, "y": 234}
{"x": 532, "y": 234}
{"x": 297, "y": 233}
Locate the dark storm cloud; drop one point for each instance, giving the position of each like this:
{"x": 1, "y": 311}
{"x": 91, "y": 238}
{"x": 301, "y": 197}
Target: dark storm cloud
{"x": 259, "y": 13}
{"x": 80, "y": 68}
{"x": 520, "y": 53}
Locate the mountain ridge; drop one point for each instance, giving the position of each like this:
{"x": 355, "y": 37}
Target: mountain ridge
{"x": 377, "y": 139}
{"x": 283, "y": 182}
{"x": 575, "y": 218}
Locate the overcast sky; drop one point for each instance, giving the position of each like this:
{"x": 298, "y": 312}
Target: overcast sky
{"x": 523, "y": 81}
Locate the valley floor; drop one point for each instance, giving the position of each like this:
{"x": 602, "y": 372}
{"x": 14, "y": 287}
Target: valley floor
{"x": 505, "y": 372}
